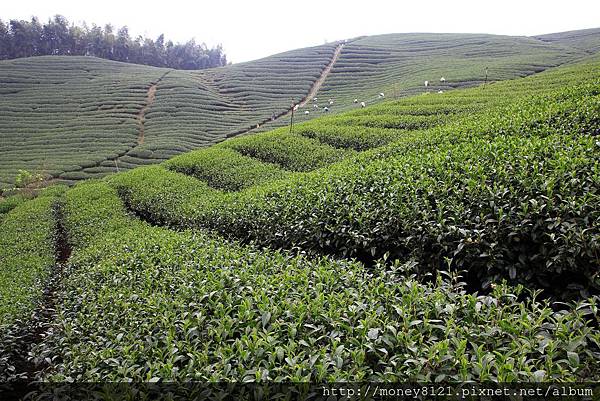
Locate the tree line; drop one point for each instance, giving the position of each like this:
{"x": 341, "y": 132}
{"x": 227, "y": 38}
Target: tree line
{"x": 20, "y": 38}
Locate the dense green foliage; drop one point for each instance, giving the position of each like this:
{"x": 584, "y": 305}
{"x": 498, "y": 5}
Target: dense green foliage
{"x": 82, "y": 117}
{"x": 10, "y": 202}
{"x": 91, "y": 209}
{"x": 291, "y": 151}
{"x": 510, "y": 192}
{"x": 58, "y": 117}
{"x": 398, "y": 65}
{"x": 27, "y": 255}
{"x": 145, "y": 303}
{"x": 403, "y": 241}
{"x": 225, "y": 169}
{"x": 63, "y": 114}
{"x": 20, "y": 38}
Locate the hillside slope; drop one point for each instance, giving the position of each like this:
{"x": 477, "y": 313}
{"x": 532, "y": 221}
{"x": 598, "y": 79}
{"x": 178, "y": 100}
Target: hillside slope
{"x": 80, "y": 117}
{"x": 309, "y": 256}
{"x": 584, "y": 39}
{"x": 333, "y": 187}
{"x": 398, "y": 65}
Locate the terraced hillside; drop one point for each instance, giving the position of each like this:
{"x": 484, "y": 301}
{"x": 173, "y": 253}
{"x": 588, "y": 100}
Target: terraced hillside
{"x": 60, "y": 113}
{"x": 584, "y": 39}
{"x": 398, "y": 65}
{"x": 73, "y": 139}
{"x": 331, "y": 253}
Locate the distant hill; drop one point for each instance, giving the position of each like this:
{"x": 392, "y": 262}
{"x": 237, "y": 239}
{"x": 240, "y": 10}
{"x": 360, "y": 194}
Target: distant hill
{"x": 83, "y": 117}
{"x": 584, "y": 39}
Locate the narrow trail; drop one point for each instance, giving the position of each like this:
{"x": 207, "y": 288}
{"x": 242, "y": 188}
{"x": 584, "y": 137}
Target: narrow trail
{"x": 314, "y": 89}
{"x": 23, "y": 356}
{"x": 141, "y": 115}
{"x": 150, "y": 97}
{"x": 319, "y": 82}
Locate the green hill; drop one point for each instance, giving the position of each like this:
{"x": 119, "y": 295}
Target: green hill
{"x": 81, "y": 117}
{"x": 407, "y": 241}
{"x": 584, "y": 39}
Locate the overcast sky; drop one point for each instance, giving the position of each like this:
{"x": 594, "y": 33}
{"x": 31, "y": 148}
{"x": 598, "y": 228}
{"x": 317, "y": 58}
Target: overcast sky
{"x": 252, "y": 29}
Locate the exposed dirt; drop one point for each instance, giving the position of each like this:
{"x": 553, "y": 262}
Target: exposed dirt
{"x": 141, "y": 115}
{"x": 316, "y": 86}
{"x": 22, "y": 337}
{"x": 319, "y": 82}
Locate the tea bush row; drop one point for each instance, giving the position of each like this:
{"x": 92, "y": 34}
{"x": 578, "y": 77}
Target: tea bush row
{"x": 149, "y": 304}
{"x": 291, "y": 151}
{"x": 224, "y": 168}
{"x": 27, "y": 255}
{"x": 509, "y": 193}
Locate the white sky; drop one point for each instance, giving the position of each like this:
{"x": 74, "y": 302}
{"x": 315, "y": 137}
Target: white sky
{"x": 252, "y": 29}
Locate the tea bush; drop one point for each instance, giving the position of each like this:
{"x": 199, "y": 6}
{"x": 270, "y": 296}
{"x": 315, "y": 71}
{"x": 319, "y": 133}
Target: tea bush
{"x": 148, "y": 304}
{"x": 27, "y": 255}
{"x": 10, "y": 202}
{"x": 508, "y": 192}
{"x": 225, "y": 169}
{"x": 291, "y": 151}
{"x": 91, "y": 209}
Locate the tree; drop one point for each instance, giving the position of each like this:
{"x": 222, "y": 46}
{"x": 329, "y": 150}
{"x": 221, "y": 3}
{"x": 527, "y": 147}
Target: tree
{"x": 56, "y": 37}
{"x": 4, "y": 41}
{"x": 122, "y": 44}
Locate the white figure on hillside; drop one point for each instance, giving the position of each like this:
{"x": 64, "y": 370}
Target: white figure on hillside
{"x": 307, "y": 112}
{"x": 325, "y": 109}
{"x": 442, "y": 79}
{"x": 362, "y": 104}
{"x": 355, "y": 100}
{"x": 381, "y": 95}
{"x": 426, "y": 83}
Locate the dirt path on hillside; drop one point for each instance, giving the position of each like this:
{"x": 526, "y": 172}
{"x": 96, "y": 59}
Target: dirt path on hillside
{"x": 319, "y": 82}
{"x": 314, "y": 89}
{"x": 23, "y": 356}
{"x": 141, "y": 115}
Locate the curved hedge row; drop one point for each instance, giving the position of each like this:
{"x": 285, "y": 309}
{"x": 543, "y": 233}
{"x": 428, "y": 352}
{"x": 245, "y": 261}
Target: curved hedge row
{"x": 225, "y": 169}
{"x": 511, "y": 193}
{"x": 27, "y": 255}
{"x": 91, "y": 209}
{"x": 147, "y": 303}
{"x": 291, "y": 151}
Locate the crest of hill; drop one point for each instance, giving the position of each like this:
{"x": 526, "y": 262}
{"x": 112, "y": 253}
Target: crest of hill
{"x": 584, "y": 39}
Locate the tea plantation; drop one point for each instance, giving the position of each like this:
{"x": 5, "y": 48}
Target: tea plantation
{"x": 439, "y": 237}
{"x": 80, "y": 117}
